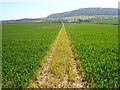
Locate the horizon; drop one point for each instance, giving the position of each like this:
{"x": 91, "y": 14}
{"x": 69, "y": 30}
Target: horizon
{"x": 52, "y": 13}
{"x": 40, "y": 9}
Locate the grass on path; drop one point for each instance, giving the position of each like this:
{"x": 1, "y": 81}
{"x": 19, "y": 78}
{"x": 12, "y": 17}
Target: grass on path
{"x": 60, "y": 69}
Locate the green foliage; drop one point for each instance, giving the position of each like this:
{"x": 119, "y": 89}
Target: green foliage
{"x": 97, "y": 49}
{"x": 24, "y": 46}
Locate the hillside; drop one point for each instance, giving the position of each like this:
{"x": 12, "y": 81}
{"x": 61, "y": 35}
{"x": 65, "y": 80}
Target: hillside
{"x": 86, "y": 11}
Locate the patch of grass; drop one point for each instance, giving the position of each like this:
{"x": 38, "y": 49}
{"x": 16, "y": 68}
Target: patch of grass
{"x": 61, "y": 63}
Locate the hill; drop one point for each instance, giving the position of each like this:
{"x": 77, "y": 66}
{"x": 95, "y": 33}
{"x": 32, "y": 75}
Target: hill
{"x": 86, "y": 11}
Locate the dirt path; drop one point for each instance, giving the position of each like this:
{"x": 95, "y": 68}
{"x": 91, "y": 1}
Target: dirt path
{"x": 59, "y": 70}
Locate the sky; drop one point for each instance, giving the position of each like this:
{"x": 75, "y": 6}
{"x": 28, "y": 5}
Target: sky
{"x": 17, "y": 9}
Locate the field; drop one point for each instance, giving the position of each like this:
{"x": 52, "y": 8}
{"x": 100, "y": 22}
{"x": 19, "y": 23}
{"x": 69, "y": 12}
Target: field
{"x": 91, "y": 17}
{"x": 97, "y": 49}
{"x": 59, "y": 69}
{"x": 78, "y": 55}
{"x": 24, "y": 46}
{"x": 111, "y": 21}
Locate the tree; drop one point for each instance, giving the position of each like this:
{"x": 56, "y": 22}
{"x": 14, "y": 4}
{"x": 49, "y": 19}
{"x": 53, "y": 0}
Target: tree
{"x": 79, "y": 20}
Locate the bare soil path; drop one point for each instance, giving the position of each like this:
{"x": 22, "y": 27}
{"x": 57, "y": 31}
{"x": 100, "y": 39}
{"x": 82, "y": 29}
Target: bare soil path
{"x": 59, "y": 69}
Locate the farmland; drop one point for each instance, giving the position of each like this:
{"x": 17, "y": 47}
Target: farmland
{"x": 59, "y": 69}
{"x": 111, "y": 21}
{"x": 99, "y": 17}
{"x": 96, "y": 47}
{"x": 24, "y": 46}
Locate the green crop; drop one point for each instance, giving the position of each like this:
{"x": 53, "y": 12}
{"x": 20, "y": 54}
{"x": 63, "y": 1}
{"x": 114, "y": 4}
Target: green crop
{"x": 97, "y": 49}
{"x": 24, "y": 46}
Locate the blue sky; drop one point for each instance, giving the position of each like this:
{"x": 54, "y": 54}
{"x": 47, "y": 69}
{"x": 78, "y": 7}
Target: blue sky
{"x": 16, "y": 9}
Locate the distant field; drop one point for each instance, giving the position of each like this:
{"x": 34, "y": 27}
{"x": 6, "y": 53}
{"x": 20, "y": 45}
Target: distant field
{"x": 95, "y": 17}
{"x": 112, "y": 21}
{"x": 24, "y": 46}
{"x": 79, "y": 17}
{"x": 96, "y": 46}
